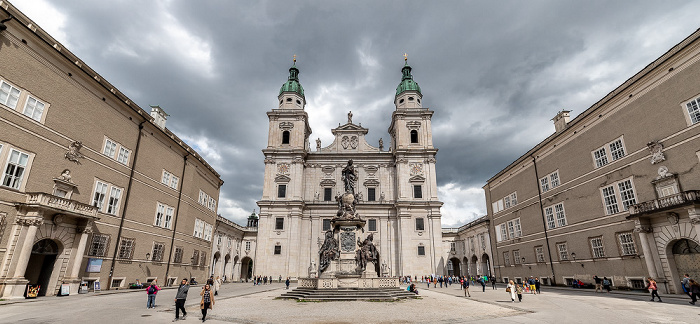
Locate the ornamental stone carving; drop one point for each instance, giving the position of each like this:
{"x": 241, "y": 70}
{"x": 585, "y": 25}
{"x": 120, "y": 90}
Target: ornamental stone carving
{"x": 639, "y": 228}
{"x": 655, "y": 149}
{"x": 345, "y": 142}
{"x": 286, "y": 125}
{"x": 354, "y": 142}
{"x": 413, "y": 125}
{"x": 29, "y": 221}
{"x": 73, "y": 153}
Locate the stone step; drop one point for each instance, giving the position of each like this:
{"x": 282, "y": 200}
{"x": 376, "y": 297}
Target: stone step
{"x": 347, "y": 294}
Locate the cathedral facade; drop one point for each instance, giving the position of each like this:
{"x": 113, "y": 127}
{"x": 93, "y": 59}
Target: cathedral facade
{"x": 396, "y": 187}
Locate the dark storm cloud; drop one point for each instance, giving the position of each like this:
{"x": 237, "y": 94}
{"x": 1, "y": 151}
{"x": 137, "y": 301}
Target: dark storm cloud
{"x": 494, "y": 72}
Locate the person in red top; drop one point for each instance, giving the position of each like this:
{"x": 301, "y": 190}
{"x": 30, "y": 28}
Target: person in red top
{"x": 653, "y": 288}
{"x": 152, "y": 290}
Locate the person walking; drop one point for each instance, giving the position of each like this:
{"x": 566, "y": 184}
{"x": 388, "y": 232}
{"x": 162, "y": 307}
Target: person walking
{"x": 493, "y": 282}
{"x": 519, "y": 291}
{"x": 531, "y": 282}
{"x": 598, "y": 283}
{"x": 207, "y": 301}
{"x": 287, "y": 283}
{"x": 651, "y": 285}
{"x": 694, "y": 289}
{"x": 465, "y": 286}
{"x": 510, "y": 288}
{"x": 217, "y": 285}
{"x": 151, "y": 291}
{"x": 685, "y": 284}
{"x": 180, "y": 298}
{"x": 606, "y": 284}
{"x": 537, "y": 284}
{"x": 483, "y": 284}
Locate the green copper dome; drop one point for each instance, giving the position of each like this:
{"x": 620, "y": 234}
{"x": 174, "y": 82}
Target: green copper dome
{"x": 292, "y": 84}
{"x": 407, "y": 83}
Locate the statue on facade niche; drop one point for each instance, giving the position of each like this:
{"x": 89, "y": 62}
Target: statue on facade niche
{"x": 381, "y": 144}
{"x": 367, "y": 252}
{"x": 349, "y": 177}
{"x": 65, "y": 175}
{"x": 73, "y": 153}
{"x": 655, "y": 148}
{"x": 329, "y": 251}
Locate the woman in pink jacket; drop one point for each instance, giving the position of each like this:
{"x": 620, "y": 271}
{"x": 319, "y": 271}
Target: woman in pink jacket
{"x": 152, "y": 290}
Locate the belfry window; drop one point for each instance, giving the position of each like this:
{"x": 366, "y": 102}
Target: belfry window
{"x": 285, "y": 137}
{"x": 414, "y": 136}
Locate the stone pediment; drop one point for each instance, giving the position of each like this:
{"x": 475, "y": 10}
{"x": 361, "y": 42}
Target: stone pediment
{"x": 371, "y": 183}
{"x": 350, "y": 128}
{"x": 417, "y": 178}
{"x": 349, "y": 138}
{"x": 282, "y": 178}
{"x": 327, "y": 183}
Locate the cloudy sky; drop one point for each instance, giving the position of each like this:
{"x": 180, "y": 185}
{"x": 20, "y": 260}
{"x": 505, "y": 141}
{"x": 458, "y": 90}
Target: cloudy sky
{"x": 494, "y": 72}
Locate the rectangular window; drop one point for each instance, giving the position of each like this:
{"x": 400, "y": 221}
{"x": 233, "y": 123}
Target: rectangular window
{"x": 247, "y": 245}
{"x": 110, "y": 148}
{"x": 514, "y": 198}
{"x": 178, "y": 254}
{"x": 506, "y": 258}
{"x": 554, "y": 179}
{"x": 113, "y": 204}
{"x": 421, "y": 250}
{"x": 166, "y": 179}
{"x": 203, "y": 259}
{"x": 483, "y": 238}
{"x": 327, "y": 194}
{"x": 123, "y": 156}
{"x": 157, "y": 253}
{"x": 692, "y": 106}
{"x": 279, "y": 223}
{"x": 511, "y": 229}
{"x": 34, "y": 109}
{"x": 278, "y": 249}
{"x": 99, "y": 196}
{"x": 600, "y": 157}
{"x": 518, "y": 230}
{"x": 610, "y": 200}
{"x": 453, "y": 246}
{"x": 563, "y": 254}
{"x": 372, "y": 225}
{"x": 549, "y": 213}
{"x": 627, "y": 244}
{"x": 174, "y": 182}
{"x": 626, "y": 194}
{"x": 506, "y": 201}
{"x": 202, "y": 198}
{"x": 516, "y": 257}
{"x": 168, "y": 216}
{"x": 160, "y": 215}
{"x": 198, "y": 228}
{"x": 544, "y": 184}
{"x": 417, "y": 191}
{"x": 195, "y": 258}
{"x": 539, "y": 253}
{"x": 207, "y": 231}
{"x": 98, "y": 247}
{"x": 14, "y": 172}
{"x": 9, "y": 95}
{"x": 420, "y": 225}
{"x": 597, "y": 247}
{"x": 326, "y": 225}
{"x": 371, "y": 194}
{"x": 281, "y": 191}
{"x": 561, "y": 217}
{"x": 126, "y": 248}
{"x": 617, "y": 150}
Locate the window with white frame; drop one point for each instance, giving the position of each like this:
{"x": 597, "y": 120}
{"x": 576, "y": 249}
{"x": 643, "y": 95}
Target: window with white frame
{"x": 622, "y": 191}
{"x": 539, "y": 253}
{"x": 612, "y": 151}
{"x": 165, "y": 179}
{"x": 98, "y": 246}
{"x": 126, "y": 248}
{"x": 503, "y": 233}
{"x": 207, "y": 231}
{"x": 561, "y": 216}
{"x": 514, "y": 198}
{"x": 516, "y": 256}
{"x": 627, "y": 244}
{"x": 207, "y": 201}
{"x": 110, "y": 148}
{"x": 497, "y": 206}
{"x": 247, "y": 245}
{"x": 514, "y": 229}
{"x": 113, "y": 202}
{"x": 597, "y": 247}
{"x": 563, "y": 253}
{"x": 506, "y": 201}
{"x": 174, "y": 182}
{"x": 15, "y": 169}
{"x": 116, "y": 151}
{"x": 506, "y": 258}
{"x": 9, "y": 95}
{"x": 123, "y": 156}
{"x": 98, "y": 198}
{"x": 198, "y": 228}
{"x": 157, "y": 253}
{"x": 164, "y": 216}
{"x": 202, "y": 198}
{"x": 549, "y": 214}
{"x": 692, "y": 107}
{"x": 549, "y": 181}
{"x": 34, "y": 108}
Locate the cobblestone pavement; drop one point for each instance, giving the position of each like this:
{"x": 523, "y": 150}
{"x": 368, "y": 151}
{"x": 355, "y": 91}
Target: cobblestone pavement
{"x": 245, "y": 303}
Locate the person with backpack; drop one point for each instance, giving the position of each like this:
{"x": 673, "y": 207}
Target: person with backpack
{"x": 606, "y": 284}
{"x": 653, "y": 288}
{"x": 685, "y": 284}
{"x": 152, "y": 290}
{"x": 694, "y": 290}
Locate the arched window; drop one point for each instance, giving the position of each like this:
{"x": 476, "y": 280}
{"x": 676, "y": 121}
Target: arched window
{"x": 414, "y": 136}
{"x": 285, "y": 137}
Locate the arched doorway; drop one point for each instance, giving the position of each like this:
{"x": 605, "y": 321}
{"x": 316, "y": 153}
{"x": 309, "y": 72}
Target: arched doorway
{"x": 473, "y": 269}
{"x": 246, "y": 268}
{"x": 686, "y": 256}
{"x": 227, "y": 266}
{"x": 485, "y": 265}
{"x": 453, "y": 267}
{"x": 41, "y": 264}
{"x": 214, "y": 269}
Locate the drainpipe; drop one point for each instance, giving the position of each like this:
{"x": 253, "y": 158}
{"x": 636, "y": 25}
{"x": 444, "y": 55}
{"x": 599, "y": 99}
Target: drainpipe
{"x": 177, "y": 213}
{"x": 544, "y": 221}
{"x": 126, "y": 205}
{"x": 492, "y": 238}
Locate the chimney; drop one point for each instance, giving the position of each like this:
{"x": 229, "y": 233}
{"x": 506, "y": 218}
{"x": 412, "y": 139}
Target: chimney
{"x": 561, "y": 120}
{"x": 159, "y": 116}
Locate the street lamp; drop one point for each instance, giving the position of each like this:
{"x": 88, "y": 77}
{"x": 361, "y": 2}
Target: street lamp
{"x": 148, "y": 256}
{"x": 573, "y": 255}
{"x": 523, "y": 260}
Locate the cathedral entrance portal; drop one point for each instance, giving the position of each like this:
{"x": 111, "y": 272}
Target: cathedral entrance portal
{"x": 686, "y": 255}
{"x": 454, "y": 270}
{"x": 246, "y": 268}
{"x": 41, "y": 264}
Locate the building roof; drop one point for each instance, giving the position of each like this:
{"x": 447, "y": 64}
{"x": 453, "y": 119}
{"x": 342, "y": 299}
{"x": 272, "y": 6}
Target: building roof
{"x": 407, "y": 83}
{"x": 608, "y": 98}
{"x": 292, "y": 84}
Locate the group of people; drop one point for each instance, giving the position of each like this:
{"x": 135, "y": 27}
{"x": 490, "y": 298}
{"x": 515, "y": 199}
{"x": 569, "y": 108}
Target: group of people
{"x": 264, "y": 280}
{"x": 531, "y": 285}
